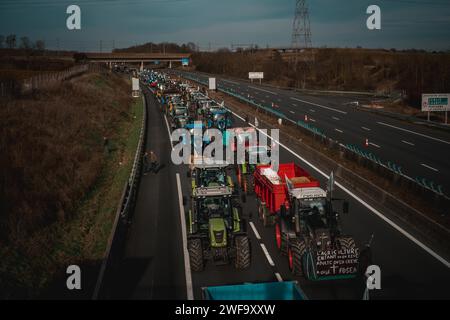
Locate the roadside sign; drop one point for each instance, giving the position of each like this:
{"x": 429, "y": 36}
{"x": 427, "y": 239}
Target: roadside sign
{"x": 135, "y": 83}
{"x": 212, "y": 83}
{"x": 135, "y": 87}
{"x": 185, "y": 61}
{"x": 256, "y": 75}
{"x": 435, "y": 102}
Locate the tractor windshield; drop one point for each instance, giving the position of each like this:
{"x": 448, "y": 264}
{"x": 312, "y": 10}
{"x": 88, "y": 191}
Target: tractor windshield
{"x": 319, "y": 203}
{"x": 315, "y": 211}
{"x": 212, "y": 177}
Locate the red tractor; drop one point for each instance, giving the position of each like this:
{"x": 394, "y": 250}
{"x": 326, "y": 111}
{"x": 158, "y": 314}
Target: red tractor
{"x": 307, "y": 229}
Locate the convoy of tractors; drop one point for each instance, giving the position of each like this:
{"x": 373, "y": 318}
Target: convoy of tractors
{"x": 302, "y": 214}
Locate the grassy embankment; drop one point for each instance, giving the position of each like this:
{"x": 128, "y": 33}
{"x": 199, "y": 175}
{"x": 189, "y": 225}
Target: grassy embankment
{"x": 62, "y": 183}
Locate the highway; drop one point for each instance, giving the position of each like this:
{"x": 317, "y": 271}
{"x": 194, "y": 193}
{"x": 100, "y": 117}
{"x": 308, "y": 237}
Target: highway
{"x": 155, "y": 265}
{"x": 419, "y": 150}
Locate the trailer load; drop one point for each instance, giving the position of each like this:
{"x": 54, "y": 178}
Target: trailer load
{"x": 307, "y": 228}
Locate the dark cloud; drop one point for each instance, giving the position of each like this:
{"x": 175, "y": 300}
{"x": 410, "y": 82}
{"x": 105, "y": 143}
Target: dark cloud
{"x": 405, "y": 23}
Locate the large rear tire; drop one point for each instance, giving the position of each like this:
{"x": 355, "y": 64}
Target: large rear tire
{"x": 296, "y": 251}
{"x": 243, "y": 254}
{"x": 196, "y": 254}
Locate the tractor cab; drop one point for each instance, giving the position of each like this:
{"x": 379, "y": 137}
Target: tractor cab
{"x": 211, "y": 175}
{"x": 219, "y": 118}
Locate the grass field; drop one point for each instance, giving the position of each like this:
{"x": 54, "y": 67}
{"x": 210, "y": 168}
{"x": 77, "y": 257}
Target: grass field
{"x": 72, "y": 187}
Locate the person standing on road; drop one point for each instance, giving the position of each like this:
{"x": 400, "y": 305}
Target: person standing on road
{"x": 150, "y": 162}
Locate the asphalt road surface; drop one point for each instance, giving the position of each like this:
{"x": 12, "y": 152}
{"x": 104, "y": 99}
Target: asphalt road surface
{"x": 155, "y": 265}
{"x": 420, "y": 151}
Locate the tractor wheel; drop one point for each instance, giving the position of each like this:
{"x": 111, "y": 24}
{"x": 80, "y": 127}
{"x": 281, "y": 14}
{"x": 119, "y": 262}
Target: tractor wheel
{"x": 243, "y": 255}
{"x": 196, "y": 254}
{"x": 296, "y": 251}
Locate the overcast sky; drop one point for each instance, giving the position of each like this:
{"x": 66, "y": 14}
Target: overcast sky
{"x": 422, "y": 24}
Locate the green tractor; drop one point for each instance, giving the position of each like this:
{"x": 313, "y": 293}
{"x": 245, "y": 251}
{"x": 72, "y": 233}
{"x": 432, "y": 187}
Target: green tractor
{"x": 211, "y": 175}
{"x": 216, "y": 230}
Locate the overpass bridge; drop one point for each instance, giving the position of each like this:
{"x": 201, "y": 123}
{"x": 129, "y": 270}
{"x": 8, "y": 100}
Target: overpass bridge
{"x": 138, "y": 57}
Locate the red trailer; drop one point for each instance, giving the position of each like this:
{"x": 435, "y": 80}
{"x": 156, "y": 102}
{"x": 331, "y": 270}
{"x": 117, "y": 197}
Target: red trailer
{"x": 271, "y": 189}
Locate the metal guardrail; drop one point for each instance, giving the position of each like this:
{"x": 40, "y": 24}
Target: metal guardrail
{"x": 350, "y": 150}
{"x": 122, "y": 219}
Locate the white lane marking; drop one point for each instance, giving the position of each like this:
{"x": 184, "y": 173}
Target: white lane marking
{"x": 254, "y": 230}
{"x": 291, "y": 111}
{"x": 312, "y": 119}
{"x": 407, "y": 142}
{"x": 295, "y": 122}
{"x": 266, "y": 253}
{"x": 263, "y": 90}
{"x": 365, "y": 204}
{"x": 230, "y": 81}
{"x": 338, "y": 130}
{"x": 295, "y": 105}
{"x": 279, "y": 278}
{"x": 319, "y": 105}
{"x": 168, "y": 131}
{"x": 335, "y": 118}
{"x": 267, "y": 96}
{"x": 364, "y": 128}
{"x": 187, "y": 263}
{"x": 419, "y": 134}
{"x": 312, "y": 110}
{"x": 429, "y": 167}
{"x": 375, "y": 145}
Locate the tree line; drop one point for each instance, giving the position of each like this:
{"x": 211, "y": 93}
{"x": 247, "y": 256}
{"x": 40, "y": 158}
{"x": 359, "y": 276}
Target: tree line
{"x": 11, "y": 41}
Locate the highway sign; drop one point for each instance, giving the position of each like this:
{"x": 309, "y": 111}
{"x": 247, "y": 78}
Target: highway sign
{"x": 256, "y": 75}
{"x": 135, "y": 82}
{"x": 185, "y": 61}
{"x": 135, "y": 87}
{"x": 435, "y": 102}
{"x": 212, "y": 83}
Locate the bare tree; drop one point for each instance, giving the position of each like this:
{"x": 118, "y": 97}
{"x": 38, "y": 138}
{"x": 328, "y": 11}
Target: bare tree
{"x": 25, "y": 43}
{"x": 40, "y": 45}
{"x": 11, "y": 41}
